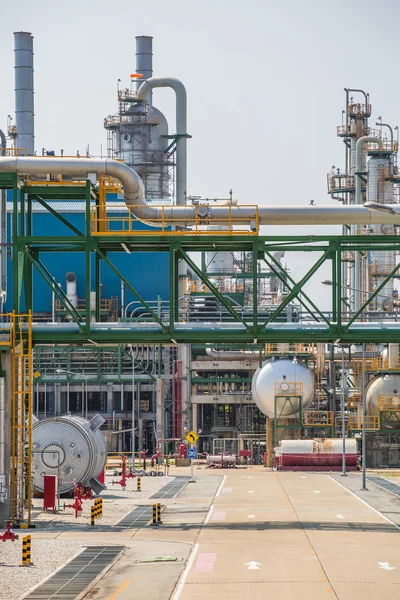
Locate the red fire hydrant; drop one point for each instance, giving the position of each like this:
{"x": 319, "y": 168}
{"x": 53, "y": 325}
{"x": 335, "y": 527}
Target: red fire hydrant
{"x": 78, "y": 497}
{"x": 8, "y": 534}
{"x": 122, "y": 481}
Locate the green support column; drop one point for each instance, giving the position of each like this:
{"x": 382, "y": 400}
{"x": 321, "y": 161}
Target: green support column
{"x": 255, "y": 290}
{"x": 88, "y": 256}
{"x": 172, "y": 287}
{"x": 98, "y": 287}
{"x": 338, "y": 290}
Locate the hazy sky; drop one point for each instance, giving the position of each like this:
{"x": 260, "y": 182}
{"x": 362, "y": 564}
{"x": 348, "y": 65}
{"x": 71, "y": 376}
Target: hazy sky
{"x": 264, "y": 80}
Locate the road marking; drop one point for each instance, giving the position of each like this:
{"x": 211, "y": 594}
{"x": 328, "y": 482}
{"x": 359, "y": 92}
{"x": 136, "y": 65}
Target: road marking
{"x": 366, "y": 503}
{"x": 185, "y": 573}
{"x": 250, "y": 491}
{"x": 317, "y": 492}
{"x": 252, "y": 565}
{"x": 339, "y": 516}
{"x": 122, "y": 587}
{"x": 385, "y": 566}
{"x": 209, "y": 514}
{"x": 220, "y": 487}
{"x": 205, "y": 562}
{"x": 226, "y": 490}
{"x": 251, "y": 516}
{"x": 219, "y": 515}
{"x": 303, "y": 477}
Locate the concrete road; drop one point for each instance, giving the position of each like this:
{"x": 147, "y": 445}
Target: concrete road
{"x": 291, "y": 536}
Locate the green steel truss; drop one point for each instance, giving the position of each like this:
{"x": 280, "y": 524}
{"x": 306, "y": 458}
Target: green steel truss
{"x": 250, "y": 324}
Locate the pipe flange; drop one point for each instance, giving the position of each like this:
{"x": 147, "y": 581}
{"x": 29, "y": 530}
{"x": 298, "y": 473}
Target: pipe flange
{"x": 203, "y": 211}
{"x": 51, "y": 460}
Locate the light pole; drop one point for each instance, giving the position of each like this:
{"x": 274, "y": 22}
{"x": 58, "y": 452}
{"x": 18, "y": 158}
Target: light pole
{"x": 133, "y": 441}
{"x": 85, "y": 392}
{"x": 343, "y": 414}
{"x": 364, "y": 410}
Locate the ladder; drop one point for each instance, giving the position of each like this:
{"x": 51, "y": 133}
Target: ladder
{"x": 21, "y": 417}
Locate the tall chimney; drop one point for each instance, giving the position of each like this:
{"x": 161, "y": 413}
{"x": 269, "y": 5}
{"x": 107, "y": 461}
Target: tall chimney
{"x": 24, "y": 104}
{"x": 144, "y": 58}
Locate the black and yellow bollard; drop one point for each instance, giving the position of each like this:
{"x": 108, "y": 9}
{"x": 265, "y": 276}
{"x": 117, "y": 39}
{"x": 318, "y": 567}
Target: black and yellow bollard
{"x": 92, "y": 515}
{"x": 138, "y": 484}
{"x": 159, "y": 522}
{"x": 26, "y": 551}
{"x": 98, "y": 504}
{"x": 154, "y": 515}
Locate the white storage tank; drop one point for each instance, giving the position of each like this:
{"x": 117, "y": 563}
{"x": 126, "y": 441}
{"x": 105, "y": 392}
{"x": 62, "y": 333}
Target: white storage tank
{"x": 383, "y": 385}
{"x": 71, "y": 445}
{"x": 284, "y": 372}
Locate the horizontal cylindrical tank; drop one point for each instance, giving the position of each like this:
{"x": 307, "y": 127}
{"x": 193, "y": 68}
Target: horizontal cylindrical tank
{"x": 388, "y": 387}
{"x": 72, "y": 447}
{"x": 275, "y": 378}
{"x": 318, "y": 455}
{"x": 325, "y": 446}
{"x": 221, "y": 459}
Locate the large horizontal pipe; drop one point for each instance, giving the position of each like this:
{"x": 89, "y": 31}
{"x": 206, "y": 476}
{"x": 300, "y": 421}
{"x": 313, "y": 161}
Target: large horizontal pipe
{"x": 185, "y": 215}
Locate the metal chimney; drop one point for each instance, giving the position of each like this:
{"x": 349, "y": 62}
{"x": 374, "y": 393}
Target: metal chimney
{"x": 144, "y": 58}
{"x": 24, "y": 105}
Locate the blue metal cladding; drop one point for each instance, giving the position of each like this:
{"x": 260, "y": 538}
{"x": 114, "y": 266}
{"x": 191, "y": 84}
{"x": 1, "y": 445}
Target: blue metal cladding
{"x": 147, "y": 272}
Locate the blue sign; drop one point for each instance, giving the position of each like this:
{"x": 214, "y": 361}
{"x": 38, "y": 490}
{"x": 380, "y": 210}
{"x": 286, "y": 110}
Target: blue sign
{"x": 192, "y": 453}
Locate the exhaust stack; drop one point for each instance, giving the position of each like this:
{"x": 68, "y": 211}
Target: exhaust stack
{"x": 24, "y": 102}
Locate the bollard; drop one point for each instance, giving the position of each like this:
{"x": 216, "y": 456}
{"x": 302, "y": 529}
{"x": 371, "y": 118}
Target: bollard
{"x": 159, "y": 522}
{"x": 154, "y": 515}
{"x": 92, "y": 515}
{"x": 139, "y": 484}
{"x": 98, "y": 505}
{"x": 26, "y": 551}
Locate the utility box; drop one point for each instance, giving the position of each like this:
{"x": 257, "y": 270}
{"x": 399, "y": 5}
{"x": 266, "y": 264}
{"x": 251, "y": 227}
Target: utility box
{"x": 50, "y": 492}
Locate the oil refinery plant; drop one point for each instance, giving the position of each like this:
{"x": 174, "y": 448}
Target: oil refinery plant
{"x": 135, "y": 311}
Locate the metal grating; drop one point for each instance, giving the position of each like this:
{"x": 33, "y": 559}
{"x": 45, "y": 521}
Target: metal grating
{"x": 389, "y": 486}
{"x": 139, "y": 517}
{"x": 74, "y": 578}
{"x": 171, "y": 489}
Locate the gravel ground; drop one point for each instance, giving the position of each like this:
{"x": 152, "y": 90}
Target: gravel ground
{"x": 50, "y": 554}
{"x": 47, "y": 556}
{"x": 117, "y": 502}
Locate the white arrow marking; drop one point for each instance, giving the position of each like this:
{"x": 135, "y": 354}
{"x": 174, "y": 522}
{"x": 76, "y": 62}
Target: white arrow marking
{"x": 250, "y": 491}
{"x": 339, "y": 516}
{"x": 303, "y": 477}
{"x": 385, "y": 566}
{"x": 251, "y": 516}
{"x": 252, "y": 565}
{"x": 317, "y": 492}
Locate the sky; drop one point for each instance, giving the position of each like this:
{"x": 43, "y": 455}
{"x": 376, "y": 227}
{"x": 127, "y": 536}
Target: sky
{"x": 264, "y": 81}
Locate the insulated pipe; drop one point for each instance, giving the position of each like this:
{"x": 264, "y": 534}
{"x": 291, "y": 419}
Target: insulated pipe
{"x": 24, "y": 95}
{"x": 181, "y": 128}
{"x": 185, "y": 215}
{"x": 359, "y": 147}
{"x": 3, "y": 143}
{"x": 70, "y": 279}
{"x": 357, "y": 262}
{"x": 233, "y": 355}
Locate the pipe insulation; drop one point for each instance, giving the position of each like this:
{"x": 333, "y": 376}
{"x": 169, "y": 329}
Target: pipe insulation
{"x": 144, "y": 93}
{"x": 232, "y": 354}
{"x": 185, "y": 215}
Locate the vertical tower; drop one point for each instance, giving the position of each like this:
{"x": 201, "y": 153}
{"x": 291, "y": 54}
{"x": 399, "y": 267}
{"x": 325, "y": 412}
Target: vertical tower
{"x": 137, "y": 134}
{"x": 24, "y": 94}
